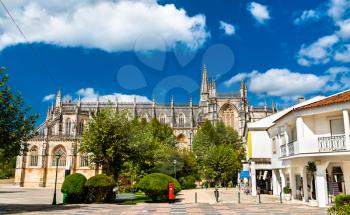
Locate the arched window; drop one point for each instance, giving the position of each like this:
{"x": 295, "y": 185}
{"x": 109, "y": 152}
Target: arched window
{"x": 68, "y": 126}
{"x": 84, "y": 160}
{"x": 162, "y": 118}
{"x": 59, "y": 150}
{"x": 227, "y": 114}
{"x": 145, "y": 117}
{"x": 81, "y": 127}
{"x": 181, "y": 120}
{"x": 34, "y": 156}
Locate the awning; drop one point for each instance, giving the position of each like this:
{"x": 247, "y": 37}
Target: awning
{"x": 244, "y": 174}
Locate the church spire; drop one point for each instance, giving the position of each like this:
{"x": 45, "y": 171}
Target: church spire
{"x": 58, "y": 98}
{"x": 204, "y": 84}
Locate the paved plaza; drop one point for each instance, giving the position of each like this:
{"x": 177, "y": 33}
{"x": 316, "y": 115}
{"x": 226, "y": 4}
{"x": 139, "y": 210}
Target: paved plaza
{"x": 15, "y": 200}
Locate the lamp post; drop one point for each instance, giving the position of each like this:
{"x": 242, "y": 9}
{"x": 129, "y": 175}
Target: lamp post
{"x": 175, "y": 168}
{"x": 57, "y": 156}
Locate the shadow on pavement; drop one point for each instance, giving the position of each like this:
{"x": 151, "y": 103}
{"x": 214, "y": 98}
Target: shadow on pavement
{"x": 27, "y": 208}
{"x": 11, "y": 192}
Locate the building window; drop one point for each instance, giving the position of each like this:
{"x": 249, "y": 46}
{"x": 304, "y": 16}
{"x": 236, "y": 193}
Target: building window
{"x": 294, "y": 134}
{"x": 227, "y": 115}
{"x": 144, "y": 117}
{"x": 59, "y": 150}
{"x": 84, "y": 160}
{"x": 274, "y": 142}
{"x": 81, "y": 127}
{"x": 34, "y": 156}
{"x": 337, "y": 127}
{"x": 68, "y": 126}
{"x": 162, "y": 119}
{"x": 181, "y": 120}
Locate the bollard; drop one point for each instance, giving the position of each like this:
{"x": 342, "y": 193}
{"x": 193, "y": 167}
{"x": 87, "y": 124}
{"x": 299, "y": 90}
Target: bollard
{"x": 259, "y": 199}
{"x": 195, "y": 197}
{"x": 281, "y": 197}
{"x": 216, "y": 194}
{"x": 239, "y": 197}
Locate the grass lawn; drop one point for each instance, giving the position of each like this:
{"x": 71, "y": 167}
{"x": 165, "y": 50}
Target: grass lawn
{"x": 140, "y": 197}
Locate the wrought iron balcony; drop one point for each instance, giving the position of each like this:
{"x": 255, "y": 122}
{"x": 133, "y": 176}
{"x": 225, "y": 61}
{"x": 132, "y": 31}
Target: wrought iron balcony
{"x": 283, "y": 150}
{"x": 332, "y": 143}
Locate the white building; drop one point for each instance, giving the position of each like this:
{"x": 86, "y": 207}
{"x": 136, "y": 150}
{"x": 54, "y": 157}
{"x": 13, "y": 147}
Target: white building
{"x": 319, "y": 133}
{"x": 259, "y": 150}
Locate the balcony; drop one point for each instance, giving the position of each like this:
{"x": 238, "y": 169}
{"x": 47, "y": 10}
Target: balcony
{"x": 331, "y": 143}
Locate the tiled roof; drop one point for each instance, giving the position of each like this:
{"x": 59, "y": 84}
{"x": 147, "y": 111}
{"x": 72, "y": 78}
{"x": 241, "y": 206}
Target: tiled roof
{"x": 334, "y": 99}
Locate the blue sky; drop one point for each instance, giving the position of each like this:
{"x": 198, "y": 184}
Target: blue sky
{"x": 149, "y": 48}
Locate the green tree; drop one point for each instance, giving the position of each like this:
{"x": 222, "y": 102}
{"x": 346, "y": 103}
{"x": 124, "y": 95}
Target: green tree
{"x": 219, "y": 151}
{"x": 106, "y": 139}
{"x": 16, "y": 121}
{"x": 221, "y": 163}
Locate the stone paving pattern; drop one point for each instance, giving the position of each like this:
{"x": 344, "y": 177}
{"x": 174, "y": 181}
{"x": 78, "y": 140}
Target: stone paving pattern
{"x": 14, "y": 200}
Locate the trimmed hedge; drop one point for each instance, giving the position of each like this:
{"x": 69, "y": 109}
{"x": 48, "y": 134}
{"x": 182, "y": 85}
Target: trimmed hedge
{"x": 74, "y": 186}
{"x": 188, "y": 182}
{"x": 100, "y": 188}
{"x": 155, "y": 186}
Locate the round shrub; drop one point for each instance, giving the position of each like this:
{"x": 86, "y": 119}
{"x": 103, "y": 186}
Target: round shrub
{"x": 155, "y": 186}
{"x": 100, "y": 188}
{"x": 188, "y": 182}
{"x": 74, "y": 186}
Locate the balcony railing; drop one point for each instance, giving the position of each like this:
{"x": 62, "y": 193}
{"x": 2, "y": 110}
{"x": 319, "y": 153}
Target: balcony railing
{"x": 283, "y": 150}
{"x": 291, "y": 148}
{"x": 331, "y": 143}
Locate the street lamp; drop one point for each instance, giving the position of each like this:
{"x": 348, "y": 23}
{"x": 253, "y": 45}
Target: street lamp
{"x": 57, "y": 156}
{"x": 174, "y": 168}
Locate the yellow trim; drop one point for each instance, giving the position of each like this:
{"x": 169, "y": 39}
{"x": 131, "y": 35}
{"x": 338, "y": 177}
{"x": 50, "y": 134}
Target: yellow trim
{"x": 250, "y": 151}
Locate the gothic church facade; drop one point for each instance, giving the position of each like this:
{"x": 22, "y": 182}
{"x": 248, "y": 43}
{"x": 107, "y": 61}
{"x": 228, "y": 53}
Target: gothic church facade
{"x": 61, "y": 132}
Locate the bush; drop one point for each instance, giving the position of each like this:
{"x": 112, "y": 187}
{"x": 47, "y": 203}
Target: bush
{"x": 342, "y": 205}
{"x": 341, "y": 200}
{"x": 287, "y": 190}
{"x": 188, "y": 182}
{"x": 155, "y": 186}
{"x": 74, "y": 186}
{"x": 100, "y": 188}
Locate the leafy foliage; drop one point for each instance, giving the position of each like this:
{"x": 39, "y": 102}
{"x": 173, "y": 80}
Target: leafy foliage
{"x": 16, "y": 122}
{"x": 106, "y": 139}
{"x": 74, "y": 186}
{"x": 311, "y": 167}
{"x": 155, "y": 186}
{"x": 287, "y": 190}
{"x": 100, "y": 188}
{"x": 188, "y": 182}
{"x": 219, "y": 151}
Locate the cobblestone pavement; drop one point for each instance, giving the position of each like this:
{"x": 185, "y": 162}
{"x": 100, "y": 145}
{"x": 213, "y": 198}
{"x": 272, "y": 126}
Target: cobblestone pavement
{"x": 14, "y": 200}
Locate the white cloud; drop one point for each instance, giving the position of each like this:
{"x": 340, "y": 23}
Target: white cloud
{"x": 307, "y": 16}
{"x": 227, "y": 28}
{"x": 344, "y": 28}
{"x": 239, "y": 77}
{"x": 90, "y": 95}
{"x": 48, "y": 97}
{"x": 318, "y": 52}
{"x": 343, "y": 54}
{"x": 284, "y": 83}
{"x": 109, "y": 25}
{"x": 337, "y": 8}
{"x": 259, "y": 12}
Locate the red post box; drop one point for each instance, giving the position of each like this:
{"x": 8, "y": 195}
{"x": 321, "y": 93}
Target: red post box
{"x": 171, "y": 191}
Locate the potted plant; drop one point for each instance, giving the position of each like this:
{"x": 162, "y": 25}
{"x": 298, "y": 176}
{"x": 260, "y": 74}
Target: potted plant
{"x": 287, "y": 193}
